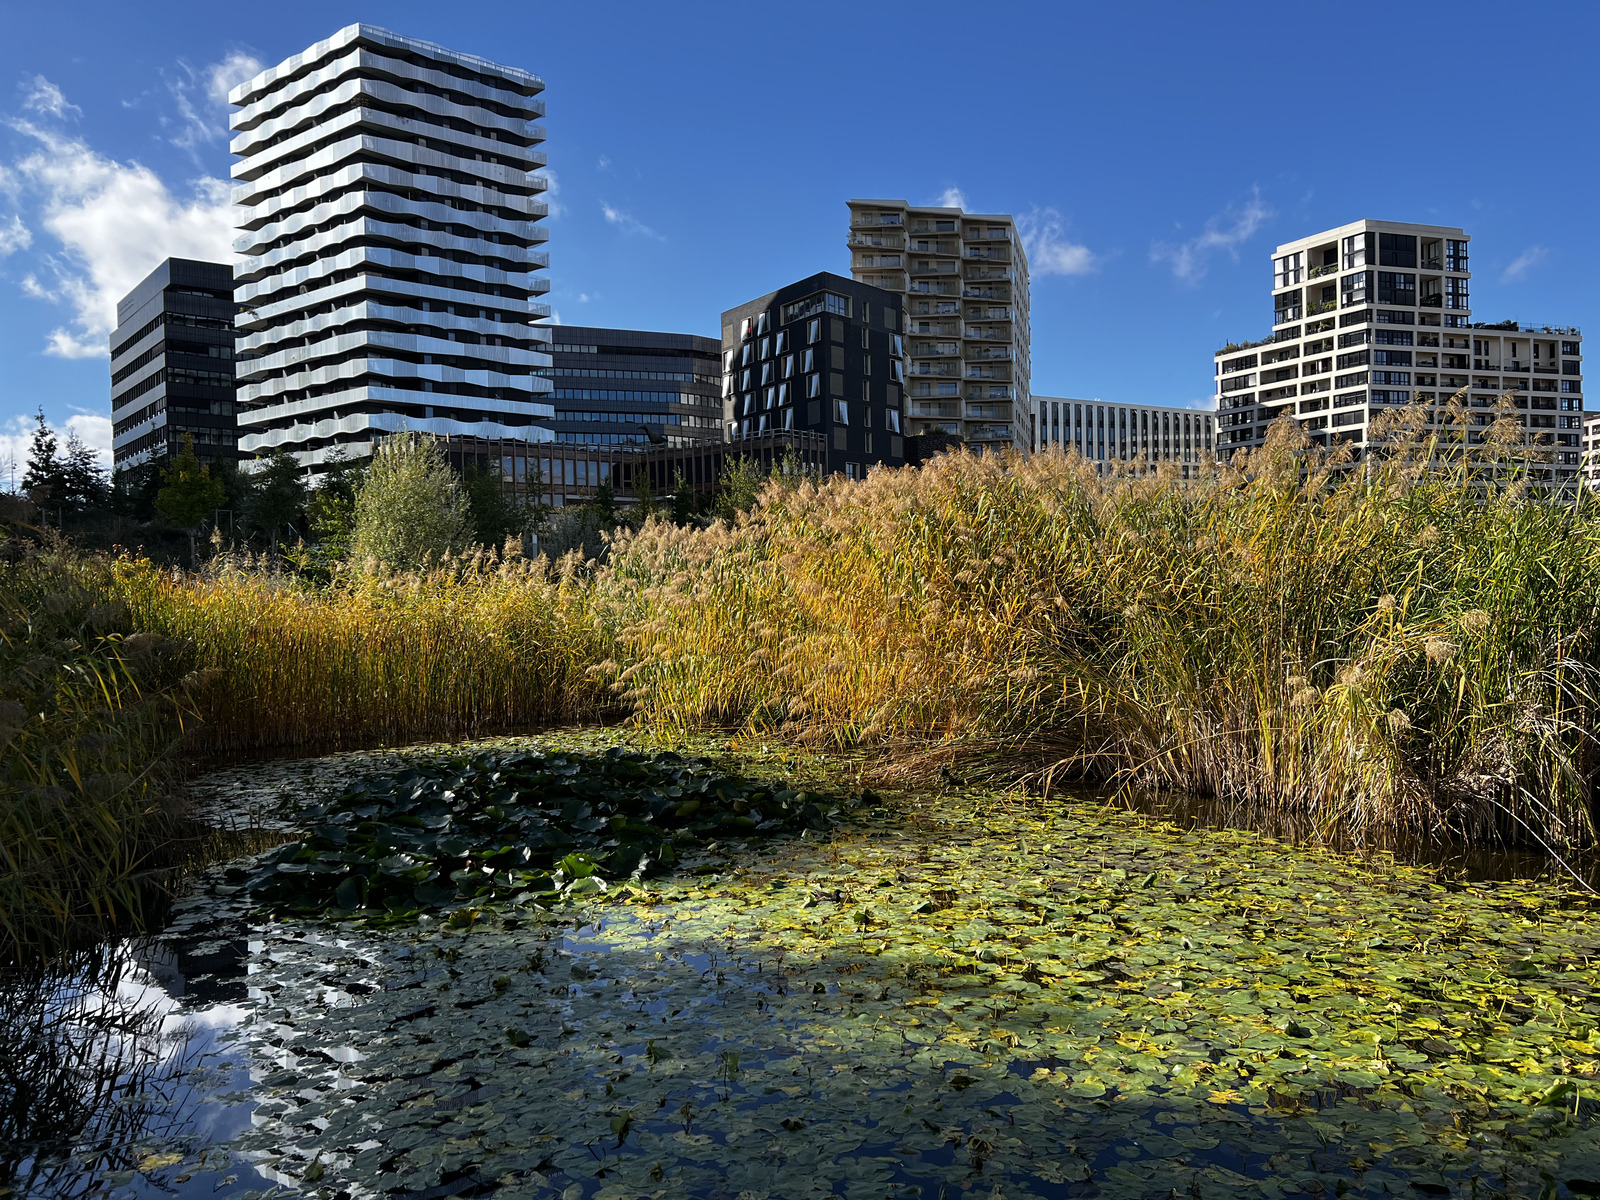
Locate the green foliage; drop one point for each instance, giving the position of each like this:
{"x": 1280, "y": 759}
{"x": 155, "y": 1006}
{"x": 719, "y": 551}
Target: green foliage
{"x": 331, "y": 505}
{"x": 277, "y": 497}
{"x": 410, "y": 509}
{"x": 189, "y": 493}
{"x": 523, "y": 827}
{"x": 87, "y": 718}
{"x": 63, "y": 483}
{"x": 495, "y": 516}
{"x": 742, "y": 480}
{"x": 42, "y": 479}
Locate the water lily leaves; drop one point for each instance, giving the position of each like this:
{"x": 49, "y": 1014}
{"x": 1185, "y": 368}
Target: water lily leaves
{"x": 526, "y": 827}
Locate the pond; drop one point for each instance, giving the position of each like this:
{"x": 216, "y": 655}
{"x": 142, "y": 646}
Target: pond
{"x": 947, "y": 995}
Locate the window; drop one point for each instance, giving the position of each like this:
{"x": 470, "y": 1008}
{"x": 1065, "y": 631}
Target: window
{"x": 841, "y": 412}
{"x": 769, "y": 397}
{"x": 897, "y": 370}
{"x": 1355, "y": 251}
{"x": 1397, "y": 250}
{"x": 781, "y": 346}
{"x": 814, "y": 331}
{"x": 1393, "y": 337}
{"x": 744, "y": 380}
{"x": 1572, "y": 385}
{"x": 766, "y": 347}
{"x": 813, "y": 386}
{"x": 1348, "y": 381}
{"x": 783, "y": 393}
{"x": 1391, "y": 358}
{"x": 763, "y": 324}
{"x": 866, "y": 365}
{"x": 1571, "y": 348}
{"x": 1455, "y": 255}
{"x": 1353, "y": 289}
{"x": 788, "y": 418}
{"x": 891, "y": 420}
{"x": 1395, "y": 287}
{"x": 866, "y": 340}
{"x": 747, "y": 355}
{"x": 727, "y": 360}
{"x": 808, "y": 359}
{"x": 786, "y": 366}
{"x": 1286, "y": 270}
{"x": 1349, "y": 398}
{"x": 1383, "y": 397}
{"x": 866, "y": 419}
{"x": 1391, "y": 377}
{"x": 1455, "y": 294}
{"x": 766, "y": 373}
{"x": 1386, "y": 317}
{"x": 1352, "y": 360}
{"x": 897, "y": 348}
{"x": 1355, "y": 318}
{"x": 1359, "y": 337}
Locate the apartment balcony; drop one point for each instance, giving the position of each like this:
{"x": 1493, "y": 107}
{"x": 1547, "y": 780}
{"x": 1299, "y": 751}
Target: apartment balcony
{"x": 947, "y": 370}
{"x": 989, "y": 252}
{"x": 989, "y": 433}
{"x": 977, "y": 313}
{"x": 989, "y": 373}
{"x": 983, "y": 274}
{"x": 936, "y": 350}
{"x": 1321, "y": 306}
{"x": 988, "y": 412}
{"x": 1319, "y": 272}
{"x": 935, "y": 408}
{"x": 992, "y": 292}
{"x": 923, "y": 287}
{"x": 860, "y": 220}
{"x": 926, "y": 267}
{"x": 1551, "y": 370}
{"x": 924, "y": 246}
{"x": 987, "y": 353}
{"x": 987, "y": 335}
{"x": 886, "y": 241}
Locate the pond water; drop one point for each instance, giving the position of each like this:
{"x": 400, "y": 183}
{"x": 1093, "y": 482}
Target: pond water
{"x": 956, "y": 996}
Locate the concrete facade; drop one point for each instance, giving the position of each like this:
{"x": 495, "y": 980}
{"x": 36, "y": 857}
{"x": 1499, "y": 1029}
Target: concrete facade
{"x": 172, "y": 367}
{"x": 964, "y": 279}
{"x": 388, "y": 215}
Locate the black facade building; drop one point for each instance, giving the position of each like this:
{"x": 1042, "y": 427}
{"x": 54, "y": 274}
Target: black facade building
{"x": 626, "y": 387}
{"x": 172, "y": 368}
{"x": 821, "y": 355}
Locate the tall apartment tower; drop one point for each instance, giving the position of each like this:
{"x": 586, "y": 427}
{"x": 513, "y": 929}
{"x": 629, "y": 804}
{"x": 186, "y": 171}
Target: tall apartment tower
{"x": 388, "y": 213}
{"x": 172, "y": 366}
{"x": 964, "y": 277}
{"x": 1377, "y": 314}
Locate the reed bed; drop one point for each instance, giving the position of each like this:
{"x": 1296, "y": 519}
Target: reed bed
{"x": 1409, "y": 646}
{"x": 473, "y": 645}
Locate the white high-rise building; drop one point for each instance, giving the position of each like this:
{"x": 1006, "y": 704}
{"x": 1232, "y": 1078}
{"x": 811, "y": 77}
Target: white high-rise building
{"x": 964, "y": 277}
{"x": 1377, "y": 314}
{"x": 389, "y": 215}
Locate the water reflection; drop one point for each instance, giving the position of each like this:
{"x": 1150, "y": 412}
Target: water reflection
{"x": 120, "y": 1074}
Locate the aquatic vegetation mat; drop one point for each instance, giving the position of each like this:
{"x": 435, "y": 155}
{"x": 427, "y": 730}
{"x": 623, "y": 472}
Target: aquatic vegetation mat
{"x": 531, "y": 826}
{"x": 950, "y": 997}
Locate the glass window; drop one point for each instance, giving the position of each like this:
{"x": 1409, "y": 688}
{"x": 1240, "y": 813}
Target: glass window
{"x": 814, "y": 331}
{"x": 897, "y": 370}
{"x": 744, "y": 380}
{"x": 813, "y": 386}
{"x": 781, "y": 346}
{"x": 1355, "y": 251}
{"x": 891, "y": 420}
{"x": 808, "y": 360}
{"x": 1397, "y": 250}
{"x": 783, "y": 393}
{"x": 787, "y": 366}
{"x": 1395, "y": 287}
{"x": 748, "y": 354}
{"x": 763, "y": 324}
{"x": 766, "y": 373}
{"x": 841, "y": 412}
{"x": 766, "y": 347}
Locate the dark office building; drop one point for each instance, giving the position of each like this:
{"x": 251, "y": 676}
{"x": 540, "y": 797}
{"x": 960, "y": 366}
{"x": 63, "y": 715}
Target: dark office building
{"x": 625, "y": 387}
{"x": 823, "y": 355}
{"x": 172, "y": 365}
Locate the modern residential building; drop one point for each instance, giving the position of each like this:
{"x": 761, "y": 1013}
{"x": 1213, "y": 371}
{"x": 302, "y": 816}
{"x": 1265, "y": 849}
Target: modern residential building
{"x": 623, "y": 387}
{"x": 172, "y": 366}
{"x": 1110, "y": 435}
{"x": 964, "y": 280}
{"x": 824, "y": 354}
{"x": 1376, "y": 314}
{"x": 1591, "y": 449}
{"x": 388, "y": 210}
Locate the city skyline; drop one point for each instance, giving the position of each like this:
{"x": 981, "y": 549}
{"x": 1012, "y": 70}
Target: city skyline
{"x": 1125, "y": 209}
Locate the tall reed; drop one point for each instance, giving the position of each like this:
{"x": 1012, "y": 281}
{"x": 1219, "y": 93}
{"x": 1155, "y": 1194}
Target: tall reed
{"x": 1408, "y": 645}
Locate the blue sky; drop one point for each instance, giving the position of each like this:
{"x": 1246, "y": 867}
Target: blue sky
{"x": 703, "y": 154}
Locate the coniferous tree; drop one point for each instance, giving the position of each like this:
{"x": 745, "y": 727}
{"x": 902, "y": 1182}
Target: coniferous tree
{"x": 85, "y": 488}
{"x": 278, "y": 498}
{"x": 43, "y": 482}
{"x": 189, "y": 494}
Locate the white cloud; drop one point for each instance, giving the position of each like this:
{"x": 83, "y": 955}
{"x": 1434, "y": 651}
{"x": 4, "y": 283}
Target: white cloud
{"x": 604, "y": 164}
{"x": 16, "y": 434}
{"x": 115, "y": 222}
{"x": 1226, "y": 231}
{"x": 46, "y": 98}
{"x": 94, "y": 431}
{"x": 201, "y": 97}
{"x": 627, "y": 222}
{"x": 951, "y": 197}
{"x": 1049, "y": 253}
{"x": 1523, "y": 263}
{"x": 14, "y": 236}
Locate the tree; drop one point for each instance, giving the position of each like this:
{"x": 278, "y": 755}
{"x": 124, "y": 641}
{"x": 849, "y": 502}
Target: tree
{"x": 494, "y": 516}
{"x": 189, "y": 494}
{"x": 84, "y": 485}
{"x": 410, "y": 507}
{"x": 43, "y": 482}
{"x": 331, "y": 506}
{"x": 278, "y": 496}
{"x": 682, "y": 500}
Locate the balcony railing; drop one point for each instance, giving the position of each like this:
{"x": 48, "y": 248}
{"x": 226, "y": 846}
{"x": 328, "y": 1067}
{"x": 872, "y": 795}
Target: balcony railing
{"x": 1319, "y": 272}
{"x": 886, "y": 241}
{"x": 1321, "y": 306}
{"x": 868, "y": 220}
{"x": 933, "y": 268}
